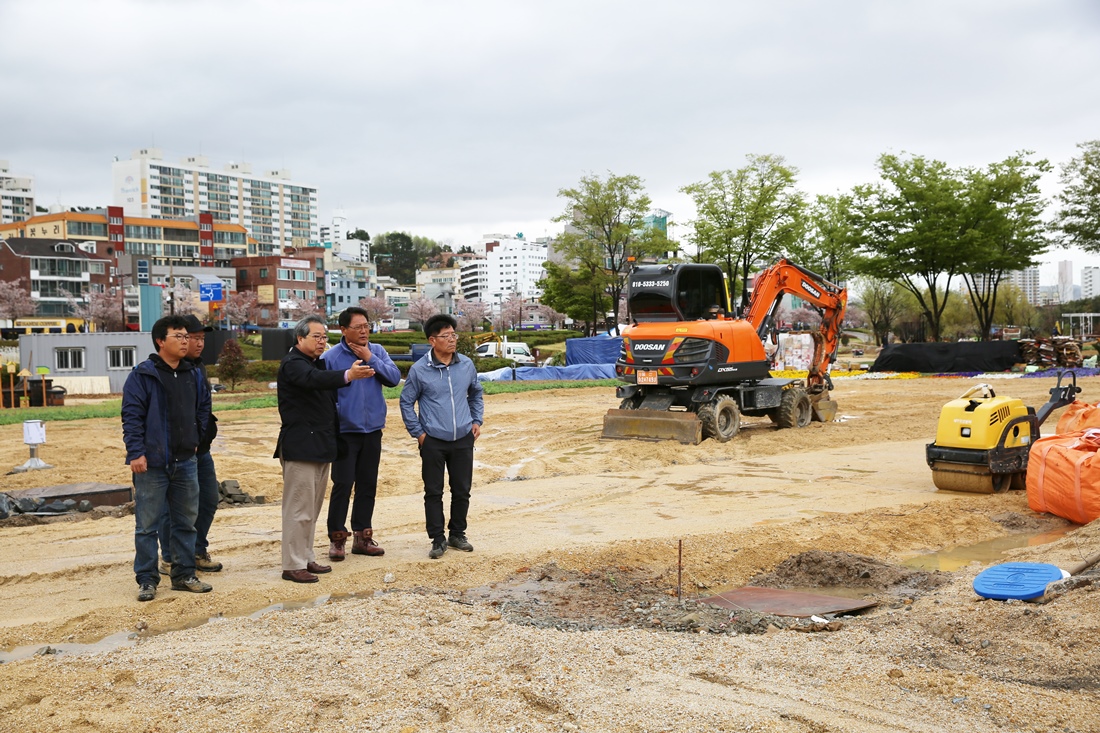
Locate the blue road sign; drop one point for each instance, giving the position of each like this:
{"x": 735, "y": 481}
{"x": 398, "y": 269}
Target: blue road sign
{"x": 210, "y": 292}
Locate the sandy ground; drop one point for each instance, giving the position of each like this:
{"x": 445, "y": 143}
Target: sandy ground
{"x": 565, "y": 617}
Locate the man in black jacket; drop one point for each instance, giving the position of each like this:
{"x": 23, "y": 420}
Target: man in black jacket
{"x": 307, "y": 442}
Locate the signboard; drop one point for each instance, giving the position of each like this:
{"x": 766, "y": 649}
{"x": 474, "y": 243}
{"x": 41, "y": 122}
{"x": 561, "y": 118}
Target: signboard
{"x": 265, "y": 294}
{"x": 143, "y": 272}
{"x": 210, "y": 292}
{"x": 296, "y": 264}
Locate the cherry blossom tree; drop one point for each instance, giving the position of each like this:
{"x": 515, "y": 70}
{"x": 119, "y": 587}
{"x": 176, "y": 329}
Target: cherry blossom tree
{"x": 377, "y": 308}
{"x": 474, "y": 313}
{"x": 102, "y": 309}
{"x": 241, "y": 307}
{"x": 421, "y": 309}
{"x": 16, "y": 300}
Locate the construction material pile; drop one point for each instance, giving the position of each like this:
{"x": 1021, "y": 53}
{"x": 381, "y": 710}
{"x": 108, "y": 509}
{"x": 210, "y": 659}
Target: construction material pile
{"x": 230, "y": 493}
{"x": 1060, "y": 351}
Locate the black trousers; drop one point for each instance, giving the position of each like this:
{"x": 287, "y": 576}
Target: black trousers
{"x": 457, "y": 457}
{"x": 359, "y": 467}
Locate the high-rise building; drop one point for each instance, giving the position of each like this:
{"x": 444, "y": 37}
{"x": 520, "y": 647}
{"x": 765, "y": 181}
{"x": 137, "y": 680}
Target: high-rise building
{"x": 1065, "y": 281}
{"x": 1090, "y": 282}
{"x": 16, "y": 196}
{"x": 1028, "y": 282}
{"x": 277, "y": 211}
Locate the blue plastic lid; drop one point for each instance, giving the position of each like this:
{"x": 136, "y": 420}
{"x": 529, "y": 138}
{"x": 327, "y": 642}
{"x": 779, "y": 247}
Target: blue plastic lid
{"x": 1021, "y": 580}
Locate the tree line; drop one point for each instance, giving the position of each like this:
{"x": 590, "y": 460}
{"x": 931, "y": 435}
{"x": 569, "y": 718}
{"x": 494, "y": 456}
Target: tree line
{"x": 907, "y": 240}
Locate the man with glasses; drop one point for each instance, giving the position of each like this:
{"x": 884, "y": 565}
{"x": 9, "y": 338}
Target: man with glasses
{"x": 443, "y": 385}
{"x": 307, "y": 443}
{"x": 362, "y": 411}
{"x": 165, "y": 411}
{"x": 208, "y": 477}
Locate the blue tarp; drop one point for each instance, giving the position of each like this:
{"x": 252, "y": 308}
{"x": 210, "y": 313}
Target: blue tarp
{"x": 531, "y": 374}
{"x": 594, "y": 350}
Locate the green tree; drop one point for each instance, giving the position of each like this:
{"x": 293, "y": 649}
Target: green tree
{"x": 1013, "y": 308}
{"x": 910, "y": 228}
{"x": 830, "y": 242}
{"x": 1079, "y": 218}
{"x": 580, "y": 294}
{"x": 360, "y": 234}
{"x": 1006, "y": 233}
{"x": 400, "y": 254}
{"x": 884, "y": 302}
{"x": 747, "y": 216}
{"x": 231, "y": 363}
{"x": 605, "y": 228}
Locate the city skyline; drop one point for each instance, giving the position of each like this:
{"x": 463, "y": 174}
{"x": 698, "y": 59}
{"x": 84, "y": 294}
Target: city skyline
{"x": 455, "y": 121}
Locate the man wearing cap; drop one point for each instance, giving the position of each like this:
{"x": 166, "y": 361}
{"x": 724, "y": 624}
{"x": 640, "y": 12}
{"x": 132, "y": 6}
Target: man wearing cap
{"x": 209, "y": 495}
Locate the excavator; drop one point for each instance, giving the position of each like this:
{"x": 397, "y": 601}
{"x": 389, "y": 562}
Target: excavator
{"x": 690, "y": 370}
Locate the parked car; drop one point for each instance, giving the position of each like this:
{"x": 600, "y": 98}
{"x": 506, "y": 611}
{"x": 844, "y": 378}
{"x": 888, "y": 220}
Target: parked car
{"x": 517, "y": 351}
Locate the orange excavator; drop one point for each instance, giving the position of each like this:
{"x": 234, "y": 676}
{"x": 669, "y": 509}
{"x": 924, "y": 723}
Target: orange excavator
{"x": 691, "y": 370}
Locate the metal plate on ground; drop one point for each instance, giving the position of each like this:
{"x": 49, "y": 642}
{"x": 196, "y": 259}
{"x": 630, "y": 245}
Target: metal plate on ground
{"x": 779, "y": 602}
{"x": 97, "y": 493}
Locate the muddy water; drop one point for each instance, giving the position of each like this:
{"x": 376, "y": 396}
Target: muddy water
{"x": 986, "y": 553}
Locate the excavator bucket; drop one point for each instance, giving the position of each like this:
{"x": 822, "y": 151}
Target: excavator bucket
{"x": 824, "y": 410}
{"x": 653, "y": 425}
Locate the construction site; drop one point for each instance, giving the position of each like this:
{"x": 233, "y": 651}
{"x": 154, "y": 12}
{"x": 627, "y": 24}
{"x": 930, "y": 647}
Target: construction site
{"x": 580, "y": 608}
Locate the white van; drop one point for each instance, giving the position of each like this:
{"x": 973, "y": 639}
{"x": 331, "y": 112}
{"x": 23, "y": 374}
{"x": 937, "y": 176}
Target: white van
{"x": 517, "y": 351}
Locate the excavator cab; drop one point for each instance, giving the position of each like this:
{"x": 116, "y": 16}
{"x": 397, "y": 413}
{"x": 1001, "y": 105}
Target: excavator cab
{"x": 668, "y": 293}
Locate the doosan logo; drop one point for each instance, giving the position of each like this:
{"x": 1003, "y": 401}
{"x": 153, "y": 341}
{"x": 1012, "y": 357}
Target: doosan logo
{"x": 649, "y": 347}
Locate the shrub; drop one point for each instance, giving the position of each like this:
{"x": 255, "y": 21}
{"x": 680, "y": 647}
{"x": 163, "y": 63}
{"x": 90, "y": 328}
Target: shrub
{"x": 231, "y": 363}
{"x": 263, "y": 371}
{"x": 491, "y": 363}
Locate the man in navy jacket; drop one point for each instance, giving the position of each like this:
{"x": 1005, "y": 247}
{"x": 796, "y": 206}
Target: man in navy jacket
{"x": 362, "y": 411}
{"x": 165, "y": 412}
{"x": 444, "y": 385}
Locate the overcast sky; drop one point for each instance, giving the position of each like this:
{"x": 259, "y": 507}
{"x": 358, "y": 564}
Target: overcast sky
{"x": 455, "y": 119}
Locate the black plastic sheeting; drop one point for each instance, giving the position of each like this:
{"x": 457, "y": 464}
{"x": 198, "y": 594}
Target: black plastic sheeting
{"x": 962, "y": 356}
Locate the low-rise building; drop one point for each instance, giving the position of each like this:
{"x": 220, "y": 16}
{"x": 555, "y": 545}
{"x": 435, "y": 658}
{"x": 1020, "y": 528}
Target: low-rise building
{"x": 54, "y": 270}
{"x": 279, "y": 280}
{"x": 16, "y": 195}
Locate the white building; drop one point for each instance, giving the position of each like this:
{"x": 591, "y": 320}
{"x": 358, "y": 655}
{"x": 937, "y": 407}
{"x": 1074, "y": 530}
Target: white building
{"x": 1065, "y": 281}
{"x": 16, "y": 196}
{"x": 1090, "y": 282}
{"x": 511, "y": 265}
{"x": 1028, "y": 282}
{"x": 276, "y": 211}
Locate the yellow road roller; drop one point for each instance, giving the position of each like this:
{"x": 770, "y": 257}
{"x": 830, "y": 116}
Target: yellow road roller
{"x": 982, "y": 440}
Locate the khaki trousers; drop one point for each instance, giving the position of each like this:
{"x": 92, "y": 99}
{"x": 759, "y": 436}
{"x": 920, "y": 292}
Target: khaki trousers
{"x": 304, "y": 485}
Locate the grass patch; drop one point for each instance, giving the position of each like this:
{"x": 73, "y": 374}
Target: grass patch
{"x": 113, "y": 408}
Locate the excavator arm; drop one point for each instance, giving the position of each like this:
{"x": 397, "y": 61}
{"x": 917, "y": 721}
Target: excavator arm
{"x": 830, "y": 300}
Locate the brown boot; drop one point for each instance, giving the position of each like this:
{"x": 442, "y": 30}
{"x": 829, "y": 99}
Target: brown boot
{"x": 364, "y": 544}
{"x": 336, "y": 545}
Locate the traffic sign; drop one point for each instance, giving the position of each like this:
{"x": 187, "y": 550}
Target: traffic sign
{"x": 210, "y": 292}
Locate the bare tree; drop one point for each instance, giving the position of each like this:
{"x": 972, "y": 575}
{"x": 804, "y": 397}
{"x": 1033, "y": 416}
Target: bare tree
{"x": 473, "y": 314}
{"x": 377, "y": 308}
{"x": 16, "y": 300}
{"x": 421, "y": 309}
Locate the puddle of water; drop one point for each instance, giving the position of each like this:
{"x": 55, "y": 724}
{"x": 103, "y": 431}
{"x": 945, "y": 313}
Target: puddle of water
{"x": 837, "y": 591}
{"x": 124, "y": 639}
{"x": 986, "y": 553}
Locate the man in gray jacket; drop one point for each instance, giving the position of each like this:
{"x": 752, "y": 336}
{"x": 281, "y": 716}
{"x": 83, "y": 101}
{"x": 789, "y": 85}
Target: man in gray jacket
{"x": 443, "y": 385}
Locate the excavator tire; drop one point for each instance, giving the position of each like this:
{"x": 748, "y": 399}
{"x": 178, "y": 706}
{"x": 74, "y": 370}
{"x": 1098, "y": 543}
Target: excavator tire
{"x": 721, "y": 419}
{"x": 794, "y": 409}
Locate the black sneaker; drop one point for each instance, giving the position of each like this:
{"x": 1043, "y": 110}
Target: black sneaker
{"x": 147, "y": 592}
{"x": 439, "y": 546}
{"x": 459, "y": 542}
{"x": 192, "y": 584}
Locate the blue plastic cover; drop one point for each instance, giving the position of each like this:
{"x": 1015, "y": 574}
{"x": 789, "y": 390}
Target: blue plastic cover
{"x": 1022, "y": 580}
{"x": 595, "y": 350}
{"x": 531, "y": 374}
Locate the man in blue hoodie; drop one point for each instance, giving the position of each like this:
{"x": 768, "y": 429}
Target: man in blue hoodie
{"x": 362, "y": 411}
{"x": 165, "y": 412}
{"x": 443, "y": 385}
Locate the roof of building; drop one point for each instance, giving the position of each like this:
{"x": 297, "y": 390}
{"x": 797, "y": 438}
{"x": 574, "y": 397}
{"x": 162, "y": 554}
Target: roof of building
{"x": 101, "y": 218}
{"x": 42, "y": 247}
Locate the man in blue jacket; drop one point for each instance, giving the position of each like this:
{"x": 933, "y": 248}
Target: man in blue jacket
{"x": 443, "y": 384}
{"x": 362, "y": 411}
{"x": 165, "y": 412}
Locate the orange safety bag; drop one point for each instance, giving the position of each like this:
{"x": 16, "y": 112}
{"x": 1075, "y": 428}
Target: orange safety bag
{"x": 1078, "y": 416}
{"x": 1063, "y": 476}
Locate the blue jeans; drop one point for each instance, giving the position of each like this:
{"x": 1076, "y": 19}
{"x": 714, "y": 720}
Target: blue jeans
{"x": 209, "y": 496}
{"x": 173, "y": 488}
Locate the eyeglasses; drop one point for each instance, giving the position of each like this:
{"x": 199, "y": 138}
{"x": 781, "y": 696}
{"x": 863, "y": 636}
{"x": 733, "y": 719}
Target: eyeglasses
{"x": 446, "y": 336}
{"x": 179, "y": 336}
{"x": 360, "y": 327}
{"x": 317, "y": 337}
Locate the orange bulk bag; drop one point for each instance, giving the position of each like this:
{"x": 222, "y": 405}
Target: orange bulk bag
{"x": 1079, "y": 416}
{"x": 1063, "y": 476}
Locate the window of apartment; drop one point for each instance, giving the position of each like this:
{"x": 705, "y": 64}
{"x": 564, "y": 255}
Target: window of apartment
{"x": 97, "y": 268}
{"x": 69, "y": 359}
{"x": 263, "y": 273}
{"x": 243, "y": 274}
{"x": 121, "y": 357}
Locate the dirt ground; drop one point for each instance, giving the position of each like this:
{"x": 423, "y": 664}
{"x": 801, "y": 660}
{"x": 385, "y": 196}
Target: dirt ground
{"x": 566, "y": 616}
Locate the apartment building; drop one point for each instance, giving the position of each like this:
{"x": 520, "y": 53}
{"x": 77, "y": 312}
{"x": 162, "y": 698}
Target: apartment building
{"x": 348, "y": 280}
{"x": 277, "y": 211}
{"x": 16, "y": 195}
{"x": 280, "y": 280}
{"x": 1028, "y": 282}
{"x": 511, "y": 265}
{"x": 1090, "y": 282}
{"x": 53, "y": 270}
